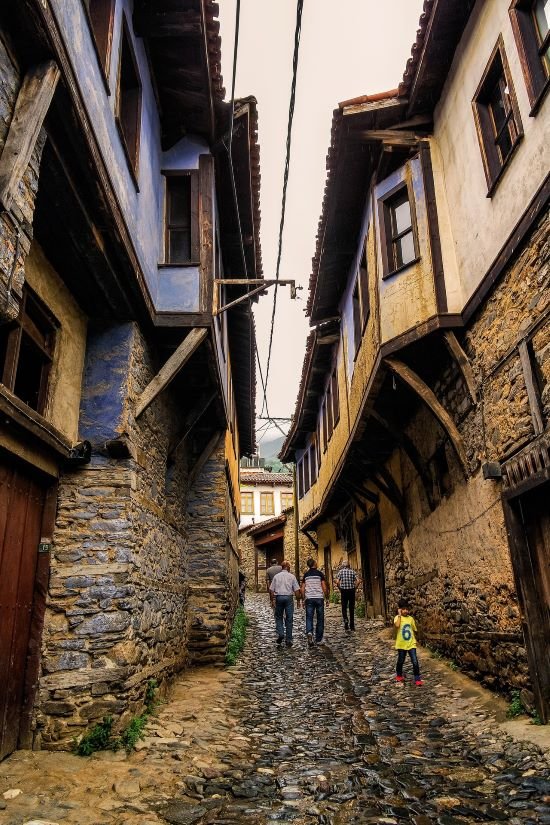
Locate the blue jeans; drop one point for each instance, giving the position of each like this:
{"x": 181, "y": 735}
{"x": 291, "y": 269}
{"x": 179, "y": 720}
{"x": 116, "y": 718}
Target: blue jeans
{"x": 401, "y": 656}
{"x": 315, "y": 606}
{"x": 284, "y": 606}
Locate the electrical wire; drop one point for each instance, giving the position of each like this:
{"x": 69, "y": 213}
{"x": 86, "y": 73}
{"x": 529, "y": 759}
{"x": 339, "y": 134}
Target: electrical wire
{"x": 297, "y": 34}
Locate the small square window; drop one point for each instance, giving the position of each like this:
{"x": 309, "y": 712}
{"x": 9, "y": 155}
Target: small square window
{"x": 247, "y": 504}
{"x": 101, "y": 16}
{"x": 531, "y": 25}
{"x": 128, "y": 102}
{"x": 26, "y": 352}
{"x": 266, "y": 504}
{"x": 399, "y": 244}
{"x": 287, "y": 500}
{"x": 497, "y": 117}
{"x": 181, "y": 241}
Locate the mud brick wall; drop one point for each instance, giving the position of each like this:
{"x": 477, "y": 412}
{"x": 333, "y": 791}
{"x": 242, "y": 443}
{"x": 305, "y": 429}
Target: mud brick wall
{"x": 23, "y": 207}
{"x": 455, "y": 563}
{"x": 213, "y": 561}
{"x": 118, "y": 601}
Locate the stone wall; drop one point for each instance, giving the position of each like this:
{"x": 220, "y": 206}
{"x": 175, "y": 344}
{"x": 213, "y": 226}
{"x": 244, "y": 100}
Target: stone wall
{"x": 455, "y": 564}
{"x": 15, "y": 230}
{"x": 118, "y": 602}
{"x": 213, "y": 561}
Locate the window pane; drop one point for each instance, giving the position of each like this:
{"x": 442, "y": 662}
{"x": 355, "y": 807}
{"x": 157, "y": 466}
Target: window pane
{"x": 404, "y": 250}
{"x": 542, "y": 16}
{"x": 505, "y": 143}
{"x": 499, "y": 103}
{"x": 179, "y": 246}
{"x": 401, "y": 215}
{"x": 179, "y": 201}
{"x": 357, "y": 327}
{"x": 28, "y": 381}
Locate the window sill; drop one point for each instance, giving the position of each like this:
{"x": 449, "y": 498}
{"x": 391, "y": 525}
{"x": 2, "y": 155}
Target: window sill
{"x": 400, "y": 269}
{"x": 178, "y": 266}
{"x": 32, "y": 423}
{"x": 538, "y": 101}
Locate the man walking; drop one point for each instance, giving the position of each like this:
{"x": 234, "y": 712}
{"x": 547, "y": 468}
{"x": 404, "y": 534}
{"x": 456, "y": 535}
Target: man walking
{"x": 282, "y": 590}
{"x": 347, "y": 585}
{"x": 314, "y": 591}
{"x": 271, "y": 572}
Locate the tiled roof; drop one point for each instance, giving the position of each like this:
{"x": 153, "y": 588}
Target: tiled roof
{"x": 259, "y": 477}
{"x": 266, "y": 525}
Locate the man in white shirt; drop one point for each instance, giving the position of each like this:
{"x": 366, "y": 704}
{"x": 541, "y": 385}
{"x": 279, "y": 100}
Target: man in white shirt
{"x": 281, "y": 591}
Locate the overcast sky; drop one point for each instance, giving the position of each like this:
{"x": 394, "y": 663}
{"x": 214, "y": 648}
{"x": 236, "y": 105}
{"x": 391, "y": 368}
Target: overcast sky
{"x": 347, "y": 49}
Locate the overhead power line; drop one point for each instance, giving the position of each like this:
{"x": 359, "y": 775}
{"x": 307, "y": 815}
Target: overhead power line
{"x": 297, "y": 34}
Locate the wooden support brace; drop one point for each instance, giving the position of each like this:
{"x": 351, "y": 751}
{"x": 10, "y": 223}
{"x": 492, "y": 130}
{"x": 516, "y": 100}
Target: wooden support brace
{"x": 532, "y": 394}
{"x": 429, "y": 398}
{"x": 463, "y": 363}
{"x": 410, "y": 450}
{"x": 169, "y": 371}
{"x": 31, "y": 107}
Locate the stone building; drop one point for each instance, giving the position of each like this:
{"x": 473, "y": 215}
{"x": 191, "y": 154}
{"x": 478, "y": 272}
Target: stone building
{"x": 274, "y": 538}
{"x": 264, "y": 495}
{"x": 127, "y": 391}
{"x": 421, "y": 429}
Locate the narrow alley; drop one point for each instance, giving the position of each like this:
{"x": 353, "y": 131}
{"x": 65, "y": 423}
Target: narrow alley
{"x": 304, "y": 736}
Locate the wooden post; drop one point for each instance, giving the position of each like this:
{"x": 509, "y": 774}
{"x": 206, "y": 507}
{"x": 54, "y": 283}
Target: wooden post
{"x": 532, "y": 394}
{"x": 463, "y": 362}
{"x": 31, "y": 107}
{"x": 296, "y": 525}
{"x": 206, "y": 231}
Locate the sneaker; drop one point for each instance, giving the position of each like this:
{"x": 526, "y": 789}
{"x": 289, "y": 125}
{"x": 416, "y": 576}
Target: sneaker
{"x": 288, "y": 644}
{"x": 352, "y": 627}
{"x": 346, "y": 626}
{"x": 419, "y": 682}
{"x": 310, "y": 639}
{"x": 400, "y": 679}
{"x": 319, "y": 641}
{"x": 280, "y": 640}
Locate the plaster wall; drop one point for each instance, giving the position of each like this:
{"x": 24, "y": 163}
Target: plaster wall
{"x": 65, "y": 381}
{"x": 174, "y": 289}
{"x": 256, "y": 518}
{"x": 408, "y": 297}
{"x": 481, "y": 225}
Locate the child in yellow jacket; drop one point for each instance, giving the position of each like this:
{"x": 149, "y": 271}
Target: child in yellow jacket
{"x": 406, "y": 641}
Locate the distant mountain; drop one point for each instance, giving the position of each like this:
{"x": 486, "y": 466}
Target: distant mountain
{"x": 271, "y": 449}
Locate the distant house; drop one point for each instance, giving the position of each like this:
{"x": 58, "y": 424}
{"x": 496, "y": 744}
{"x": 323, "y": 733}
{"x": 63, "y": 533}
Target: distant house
{"x": 274, "y": 538}
{"x": 264, "y": 495}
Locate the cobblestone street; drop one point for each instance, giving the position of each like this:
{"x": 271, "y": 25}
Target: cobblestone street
{"x": 305, "y": 736}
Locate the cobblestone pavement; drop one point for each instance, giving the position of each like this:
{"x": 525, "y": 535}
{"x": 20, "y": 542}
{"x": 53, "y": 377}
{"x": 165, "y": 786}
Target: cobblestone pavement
{"x": 313, "y": 737}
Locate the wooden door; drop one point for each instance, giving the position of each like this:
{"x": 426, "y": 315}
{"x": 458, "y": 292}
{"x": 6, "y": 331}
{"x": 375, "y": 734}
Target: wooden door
{"x": 21, "y": 507}
{"x": 528, "y": 521}
{"x": 372, "y": 566}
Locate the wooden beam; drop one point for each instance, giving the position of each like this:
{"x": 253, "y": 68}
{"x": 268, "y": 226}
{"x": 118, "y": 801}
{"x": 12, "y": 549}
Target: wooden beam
{"x": 410, "y": 450}
{"x": 31, "y": 107}
{"x": 463, "y": 362}
{"x": 167, "y": 24}
{"x": 391, "y": 137}
{"x": 168, "y": 372}
{"x": 429, "y": 398}
{"x": 532, "y": 393}
{"x": 191, "y": 420}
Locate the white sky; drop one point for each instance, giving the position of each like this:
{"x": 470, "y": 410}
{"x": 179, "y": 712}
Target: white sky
{"x": 347, "y": 49}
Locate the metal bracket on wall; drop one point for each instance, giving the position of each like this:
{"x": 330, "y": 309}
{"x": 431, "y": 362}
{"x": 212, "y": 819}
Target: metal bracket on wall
{"x": 260, "y": 284}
